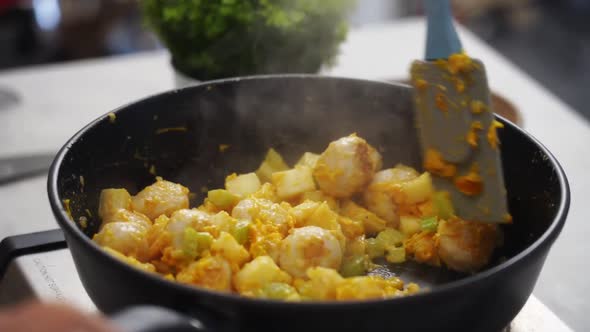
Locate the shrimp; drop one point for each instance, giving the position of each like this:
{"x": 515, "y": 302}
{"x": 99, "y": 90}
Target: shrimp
{"x": 309, "y": 246}
{"x": 127, "y": 238}
{"x": 464, "y": 245}
{"x": 123, "y": 215}
{"x": 162, "y": 197}
{"x": 346, "y": 166}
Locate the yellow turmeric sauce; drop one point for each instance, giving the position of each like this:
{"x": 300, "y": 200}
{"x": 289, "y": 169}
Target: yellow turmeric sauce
{"x": 435, "y": 164}
{"x": 420, "y": 84}
{"x": 170, "y": 129}
{"x": 441, "y": 102}
{"x": 478, "y": 107}
{"x": 83, "y": 222}
{"x": 459, "y": 63}
{"x": 223, "y": 147}
{"x": 66, "y": 203}
{"x": 472, "y": 137}
{"x": 493, "y": 135}
{"x": 459, "y": 84}
{"x": 470, "y": 184}
{"x": 152, "y": 170}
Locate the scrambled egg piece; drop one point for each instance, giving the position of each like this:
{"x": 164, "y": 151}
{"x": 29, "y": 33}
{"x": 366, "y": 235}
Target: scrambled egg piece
{"x": 211, "y": 272}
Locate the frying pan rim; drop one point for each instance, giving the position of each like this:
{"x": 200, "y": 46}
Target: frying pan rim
{"x": 547, "y": 238}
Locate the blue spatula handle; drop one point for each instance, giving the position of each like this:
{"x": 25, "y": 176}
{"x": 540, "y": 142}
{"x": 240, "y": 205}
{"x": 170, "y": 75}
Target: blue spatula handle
{"x": 442, "y": 39}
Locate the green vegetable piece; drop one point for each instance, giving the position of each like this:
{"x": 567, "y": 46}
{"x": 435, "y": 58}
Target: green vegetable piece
{"x": 374, "y": 248}
{"x": 222, "y": 198}
{"x": 391, "y": 237}
{"x": 277, "y": 291}
{"x": 194, "y": 243}
{"x": 240, "y": 231}
{"x": 353, "y": 266}
{"x": 443, "y": 205}
{"x": 204, "y": 239}
{"x": 395, "y": 254}
{"x": 429, "y": 224}
{"x": 190, "y": 243}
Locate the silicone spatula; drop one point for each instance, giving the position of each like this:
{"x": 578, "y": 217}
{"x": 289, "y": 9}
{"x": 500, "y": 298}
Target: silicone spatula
{"x": 456, "y": 125}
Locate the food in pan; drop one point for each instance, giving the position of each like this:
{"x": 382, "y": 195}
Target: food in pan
{"x": 315, "y": 231}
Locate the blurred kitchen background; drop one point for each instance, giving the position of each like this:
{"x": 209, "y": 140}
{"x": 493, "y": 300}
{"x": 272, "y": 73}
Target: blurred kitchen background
{"x": 548, "y": 39}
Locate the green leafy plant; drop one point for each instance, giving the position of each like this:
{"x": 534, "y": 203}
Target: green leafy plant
{"x": 219, "y": 38}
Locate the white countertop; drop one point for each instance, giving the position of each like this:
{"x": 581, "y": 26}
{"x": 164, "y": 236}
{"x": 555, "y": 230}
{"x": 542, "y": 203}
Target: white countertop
{"x": 57, "y": 100}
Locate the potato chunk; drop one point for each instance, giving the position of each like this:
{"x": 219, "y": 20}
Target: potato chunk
{"x": 409, "y": 225}
{"x": 293, "y": 182}
{"x": 416, "y": 190}
{"x": 242, "y": 185}
{"x": 322, "y": 283}
{"x": 257, "y": 273}
{"x": 227, "y": 247}
{"x": 308, "y": 159}
{"x": 112, "y": 200}
{"x": 371, "y": 222}
{"x": 273, "y": 162}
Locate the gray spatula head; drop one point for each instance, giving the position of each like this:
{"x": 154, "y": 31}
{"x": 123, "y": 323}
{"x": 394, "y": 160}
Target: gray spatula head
{"x": 457, "y": 131}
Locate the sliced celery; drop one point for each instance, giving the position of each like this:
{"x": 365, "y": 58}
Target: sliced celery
{"x": 395, "y": 254}
{"x": 429, "y": 224}
{"x": 374, "y": 248}
{"x": 277, "y": 291}
{"x": 240, "y": 231}
{"x": 190, "y": 244}
{"x": 353, "y": 266}
{"x": 194, "y": 243}
{"x": 390, "y": 237}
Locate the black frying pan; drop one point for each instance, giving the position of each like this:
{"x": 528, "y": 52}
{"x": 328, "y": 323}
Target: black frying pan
{"x": 294, "y": 114}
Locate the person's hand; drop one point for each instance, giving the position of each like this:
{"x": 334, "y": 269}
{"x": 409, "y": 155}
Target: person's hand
{"x": 34, "y": 317}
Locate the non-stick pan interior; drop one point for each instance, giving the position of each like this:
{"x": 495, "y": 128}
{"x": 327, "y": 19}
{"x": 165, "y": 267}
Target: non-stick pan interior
{"x": 181, "y": 136}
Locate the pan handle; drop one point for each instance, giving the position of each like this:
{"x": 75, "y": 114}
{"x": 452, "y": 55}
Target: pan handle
{"x": 149, "y": 318}
{"x": 19, "y": 245}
